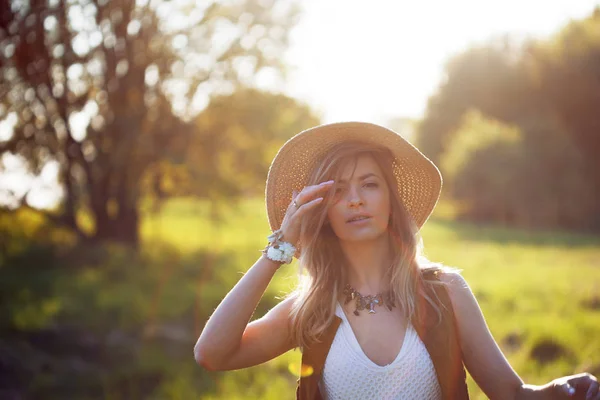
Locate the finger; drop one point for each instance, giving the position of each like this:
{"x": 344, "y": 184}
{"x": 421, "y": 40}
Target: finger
{"x": 307, "y": 206}
{"x": 309, "y": 192}
{"x": 586, "y": 384}
{"x": 592, "y": 391}
{"x": 292, "y": 205}
{"x": 293, "y": 202}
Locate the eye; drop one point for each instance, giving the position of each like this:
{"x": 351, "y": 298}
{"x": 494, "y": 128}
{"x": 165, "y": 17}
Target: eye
{"x": 371, "y": 185}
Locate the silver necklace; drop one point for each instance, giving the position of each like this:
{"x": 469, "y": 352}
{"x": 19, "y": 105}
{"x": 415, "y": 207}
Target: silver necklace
{"x": 368, "y": 302}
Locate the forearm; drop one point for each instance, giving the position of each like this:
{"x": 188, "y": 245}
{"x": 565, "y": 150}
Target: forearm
{"x": 224, "y": 329}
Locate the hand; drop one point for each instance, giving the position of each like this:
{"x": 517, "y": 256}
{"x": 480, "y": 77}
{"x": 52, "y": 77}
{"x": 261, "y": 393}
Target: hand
{"x": 301, "y": 203}
{"x": 580, "y": 386}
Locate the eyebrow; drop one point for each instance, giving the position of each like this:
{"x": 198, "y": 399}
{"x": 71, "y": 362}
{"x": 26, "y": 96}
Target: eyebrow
{"x": 361, "y": 178}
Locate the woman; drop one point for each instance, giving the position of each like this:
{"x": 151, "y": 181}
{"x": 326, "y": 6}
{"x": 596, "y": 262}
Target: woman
{"x": 372, "y": 317}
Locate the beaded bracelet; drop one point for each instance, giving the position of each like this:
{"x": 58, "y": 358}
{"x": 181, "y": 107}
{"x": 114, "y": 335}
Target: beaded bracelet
{"x": 278, "y": 250}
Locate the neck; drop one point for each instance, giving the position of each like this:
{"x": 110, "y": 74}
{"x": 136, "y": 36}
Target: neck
{"x": 368, "y": 262}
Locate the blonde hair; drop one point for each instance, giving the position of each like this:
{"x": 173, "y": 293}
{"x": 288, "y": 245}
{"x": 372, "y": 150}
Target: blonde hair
{"x": 322, "y": 258}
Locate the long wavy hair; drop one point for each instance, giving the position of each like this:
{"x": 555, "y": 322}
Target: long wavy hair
{"x": 323, "y": 265}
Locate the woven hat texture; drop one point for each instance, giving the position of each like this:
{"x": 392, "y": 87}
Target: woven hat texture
{"x": 419, "y": 180}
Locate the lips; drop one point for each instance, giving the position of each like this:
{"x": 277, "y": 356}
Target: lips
{"x": 358, "y": 217}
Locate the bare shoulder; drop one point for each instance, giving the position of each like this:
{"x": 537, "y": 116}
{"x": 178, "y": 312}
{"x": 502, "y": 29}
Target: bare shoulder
{"x": 453, "y": 279}
{"x": 458, "y": 290}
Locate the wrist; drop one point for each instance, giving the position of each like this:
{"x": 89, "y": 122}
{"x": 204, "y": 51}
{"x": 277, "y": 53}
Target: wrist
{"x": 279, "y": 250}
{"x": 534, "y": 392}
{"x": 274, "y": 265}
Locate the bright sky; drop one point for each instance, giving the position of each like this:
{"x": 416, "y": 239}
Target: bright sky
{"x": 358, "y": 60}
{"x": 372, "y": 61}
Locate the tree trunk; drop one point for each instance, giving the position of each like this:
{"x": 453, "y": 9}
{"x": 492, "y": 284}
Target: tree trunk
{"x": 70, "y": 199}
{"x": 119, "y": 224}
{"x": 121, "y": 228}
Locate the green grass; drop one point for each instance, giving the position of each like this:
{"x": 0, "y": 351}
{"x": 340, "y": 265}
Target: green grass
{"x": 534, "y": 286}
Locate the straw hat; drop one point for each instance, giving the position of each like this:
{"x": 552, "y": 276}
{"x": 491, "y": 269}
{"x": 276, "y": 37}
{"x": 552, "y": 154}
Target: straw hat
{"x": 419, "y": 180}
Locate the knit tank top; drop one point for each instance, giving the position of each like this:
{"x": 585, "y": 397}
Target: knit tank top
{"x": 349, "y": 374}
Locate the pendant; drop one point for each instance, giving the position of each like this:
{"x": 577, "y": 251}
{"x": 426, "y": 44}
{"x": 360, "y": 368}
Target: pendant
{"x": 367, "y": 302}
{"x": 372, "y": 305}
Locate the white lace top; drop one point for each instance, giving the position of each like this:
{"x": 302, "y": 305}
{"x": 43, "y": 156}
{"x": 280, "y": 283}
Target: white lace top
{"x": 349, "y": 374}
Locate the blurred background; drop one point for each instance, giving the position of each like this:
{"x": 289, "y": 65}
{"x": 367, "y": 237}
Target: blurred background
{"x": 136, "y": 136}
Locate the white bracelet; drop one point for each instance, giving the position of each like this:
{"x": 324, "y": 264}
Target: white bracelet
{"x": 278, "y": 250}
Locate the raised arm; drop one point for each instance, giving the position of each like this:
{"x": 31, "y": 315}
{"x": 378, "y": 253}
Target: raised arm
{"x": 228, "y": 341}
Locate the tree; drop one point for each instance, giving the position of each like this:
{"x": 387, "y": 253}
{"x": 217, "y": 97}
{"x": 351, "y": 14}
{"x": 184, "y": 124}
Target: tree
{"x": 529, "y": 175}
{"x": 236, "y": 138}
{"x": 489, "y": 78}
{"x": 547, "y": 89}
{"x": 566, "y": 70}
{"x": 102, "y": 88}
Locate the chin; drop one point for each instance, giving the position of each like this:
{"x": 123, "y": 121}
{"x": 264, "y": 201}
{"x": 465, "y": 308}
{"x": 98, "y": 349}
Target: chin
{"x": 361, "y": 237}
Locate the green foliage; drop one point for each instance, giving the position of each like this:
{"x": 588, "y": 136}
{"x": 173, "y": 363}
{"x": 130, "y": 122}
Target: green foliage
{"x": 126, "y": 322}
{"x": 29, "y": 245}
{"x": 565, "y": 70}
{"x": 100, "y": 89}
{"x": 532, "y": 287}
{"x": 532, "y": 175}
{"x": 487, "y": 78}
{"x": 237, "y": 136}
{"x": 547, "y": 91}
{"x": 475, "y": 134}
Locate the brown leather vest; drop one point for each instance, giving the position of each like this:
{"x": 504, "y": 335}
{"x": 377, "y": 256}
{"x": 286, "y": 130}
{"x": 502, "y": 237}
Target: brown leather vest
{"x": 440, "y": 339}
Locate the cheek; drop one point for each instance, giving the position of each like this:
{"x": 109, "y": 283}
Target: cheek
{"x": 335, "y": 215}
{"x": 381, "y": 199}
{"x": 385, "y": 206}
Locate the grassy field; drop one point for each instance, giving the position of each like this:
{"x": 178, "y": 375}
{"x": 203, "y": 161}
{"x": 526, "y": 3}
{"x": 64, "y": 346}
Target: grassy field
{"x": 540, "y": 292}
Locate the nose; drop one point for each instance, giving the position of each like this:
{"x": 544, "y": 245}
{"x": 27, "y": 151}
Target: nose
{"x": 354, "y": 199}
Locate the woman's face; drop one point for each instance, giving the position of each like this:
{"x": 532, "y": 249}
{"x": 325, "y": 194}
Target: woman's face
{"x": 361, "y": 206}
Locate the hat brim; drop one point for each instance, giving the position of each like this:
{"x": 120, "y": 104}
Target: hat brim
{"x": 419, "y": 180}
